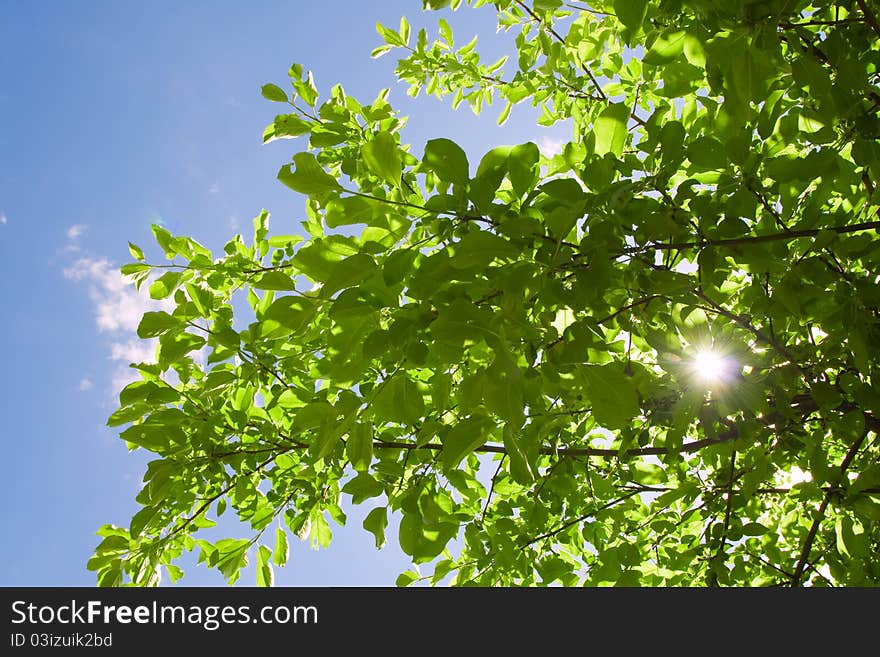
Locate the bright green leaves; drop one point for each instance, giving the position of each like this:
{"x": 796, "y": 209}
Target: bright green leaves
{"x": 382, "y": 157}
{"x": 479, "y": 248}
{"x": 107, "y": 559}
{"x": 446, "y": 160}
{"x": 351, "y": 210}
{"x": 375, "y": 523}
{"x": 522, "y": 167}
{"x": 612, "y": 395}
{"x": 348, "y": 272}
{"x": 274, "y": 280}
{"x": 666, "y": 47}
{"x": 289, "y": 313}
{"x": 506, "y": 359}
{"x": 359, "y": 447}
{"x": 518, "y": 163}
{"x": 281, "y": 553}
{"x": 264, "y": 572}
{"x": 491, "y": 171}
{"x": 610, "y": 129}
{"x": 522, "y": 459}
{"x": 463, "y": 438}
{"x": 308, "y": 177}
{"x": 230, "y": 556}
{"x": 631, "y": 13}
{"x": 274, "y": 93}
{"x": 399, "y": 400}
{"x": 399, "y": 37}
{"x": 155, "y": 323}
{"x": 362, "y": 487}
{"x": 135, "y": 251}
{"x": 426, "y": 526}
{"x": 286, "y": 126}
{"x": 303, "y": 85}
{"x": 706, "y": 153}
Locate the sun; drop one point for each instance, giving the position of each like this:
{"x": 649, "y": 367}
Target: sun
{"x": 710, "y": 366}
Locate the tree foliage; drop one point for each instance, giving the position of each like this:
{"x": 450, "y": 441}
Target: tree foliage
{"x": 647, "y": 359}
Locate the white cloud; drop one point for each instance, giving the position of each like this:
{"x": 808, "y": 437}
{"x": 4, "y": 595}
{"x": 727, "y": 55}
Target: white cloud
{"x": 232, "y": 222}
{"x": 85, "y": 384}
{"x": 3, "y": 219}
{"x": 75, "y": 231}
{"x": 122, "y": 376}
{"x": 134, "y": 351}
{"x": 214, "y": 189}
{"x": 550, "y": 147}
{"x": 118, "y": 305}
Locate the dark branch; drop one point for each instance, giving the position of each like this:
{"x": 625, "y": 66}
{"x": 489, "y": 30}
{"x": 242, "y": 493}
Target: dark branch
{"x": 869, "y": 16}
{"x": 820, "y": 513}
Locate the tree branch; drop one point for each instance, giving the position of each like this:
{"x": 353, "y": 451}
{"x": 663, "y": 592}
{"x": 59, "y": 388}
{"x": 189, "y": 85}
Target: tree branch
{"x": 713, "y": 577}
{"x": 869, "y": 16}
{"x": 820, "y": 513}
{"x": 559, "y": 38}
{"x": 739, "y": 241}
{"x": 569, "y": 523}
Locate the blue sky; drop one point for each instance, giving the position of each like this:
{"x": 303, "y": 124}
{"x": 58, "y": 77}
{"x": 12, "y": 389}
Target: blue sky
{"x": 114, "y": 115}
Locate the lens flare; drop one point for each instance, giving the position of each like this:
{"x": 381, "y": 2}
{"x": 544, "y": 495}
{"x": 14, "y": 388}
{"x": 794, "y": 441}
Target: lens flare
{"x": 710, "y": 366}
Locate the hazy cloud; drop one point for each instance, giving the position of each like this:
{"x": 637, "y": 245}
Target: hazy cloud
{"x": 550, "y": 147}
{"x": 214, "y": 189}
{"x": 118, "y": 308}
{"x": 118, "y": 305}
{"x": 75, "y": 231}
{"x": 84, "y": 384}
{"x": 3, "y": 219}
{"x": 134, "y": 351}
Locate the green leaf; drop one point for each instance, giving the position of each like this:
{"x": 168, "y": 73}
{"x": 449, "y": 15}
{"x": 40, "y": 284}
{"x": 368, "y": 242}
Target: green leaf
{"x": 610, "y": 129}
{"x": 291, "y": 312}
{"x": 351, "y": 210}
{"x": 667, "y": 46}
{"x": 382, "y": 157}
{"x": 631, "y": 12}
{"x": 172, "y": 347}
{"x": 348, "y": 272}
{"x": 399, "y": 401}
{"x": 376, "y": 522}
{"x": 447, "y": 160}
{"x": 326, "y": 441}
{"x": 155, "y": 323}
{"x": 612, "y": 395}
{"x": 308, "y": 177}
{"x": 397, "y": 265}
{"x": 707, "y": 153}
{"x": 522, "y": 165}
{"x": 143, "y": 519}
{"x": 265, "y": 574}
{"x": 521, "y": 467}
{"x": 754, "y": 529}
{"x": 274, "y": 93}
{"x": 362, "y": 487}
{"x": 231, "y": 557}
{"x": 466, "y": 436}
{"x": 359, "y": 447}
{"x": 286, "y": 126}
{"x": 135, "y": 251}
{"x": 282, "y": 549}
{"x": 408, "y": 577}
{"x": 479, "y": 248}
{"x": 274, "y": 280}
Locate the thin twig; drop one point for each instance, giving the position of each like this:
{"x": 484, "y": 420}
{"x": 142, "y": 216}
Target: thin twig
{"x": 869, "y": 16}
{"x": 820, "y": 513}
{"x": 492, "y": 489}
